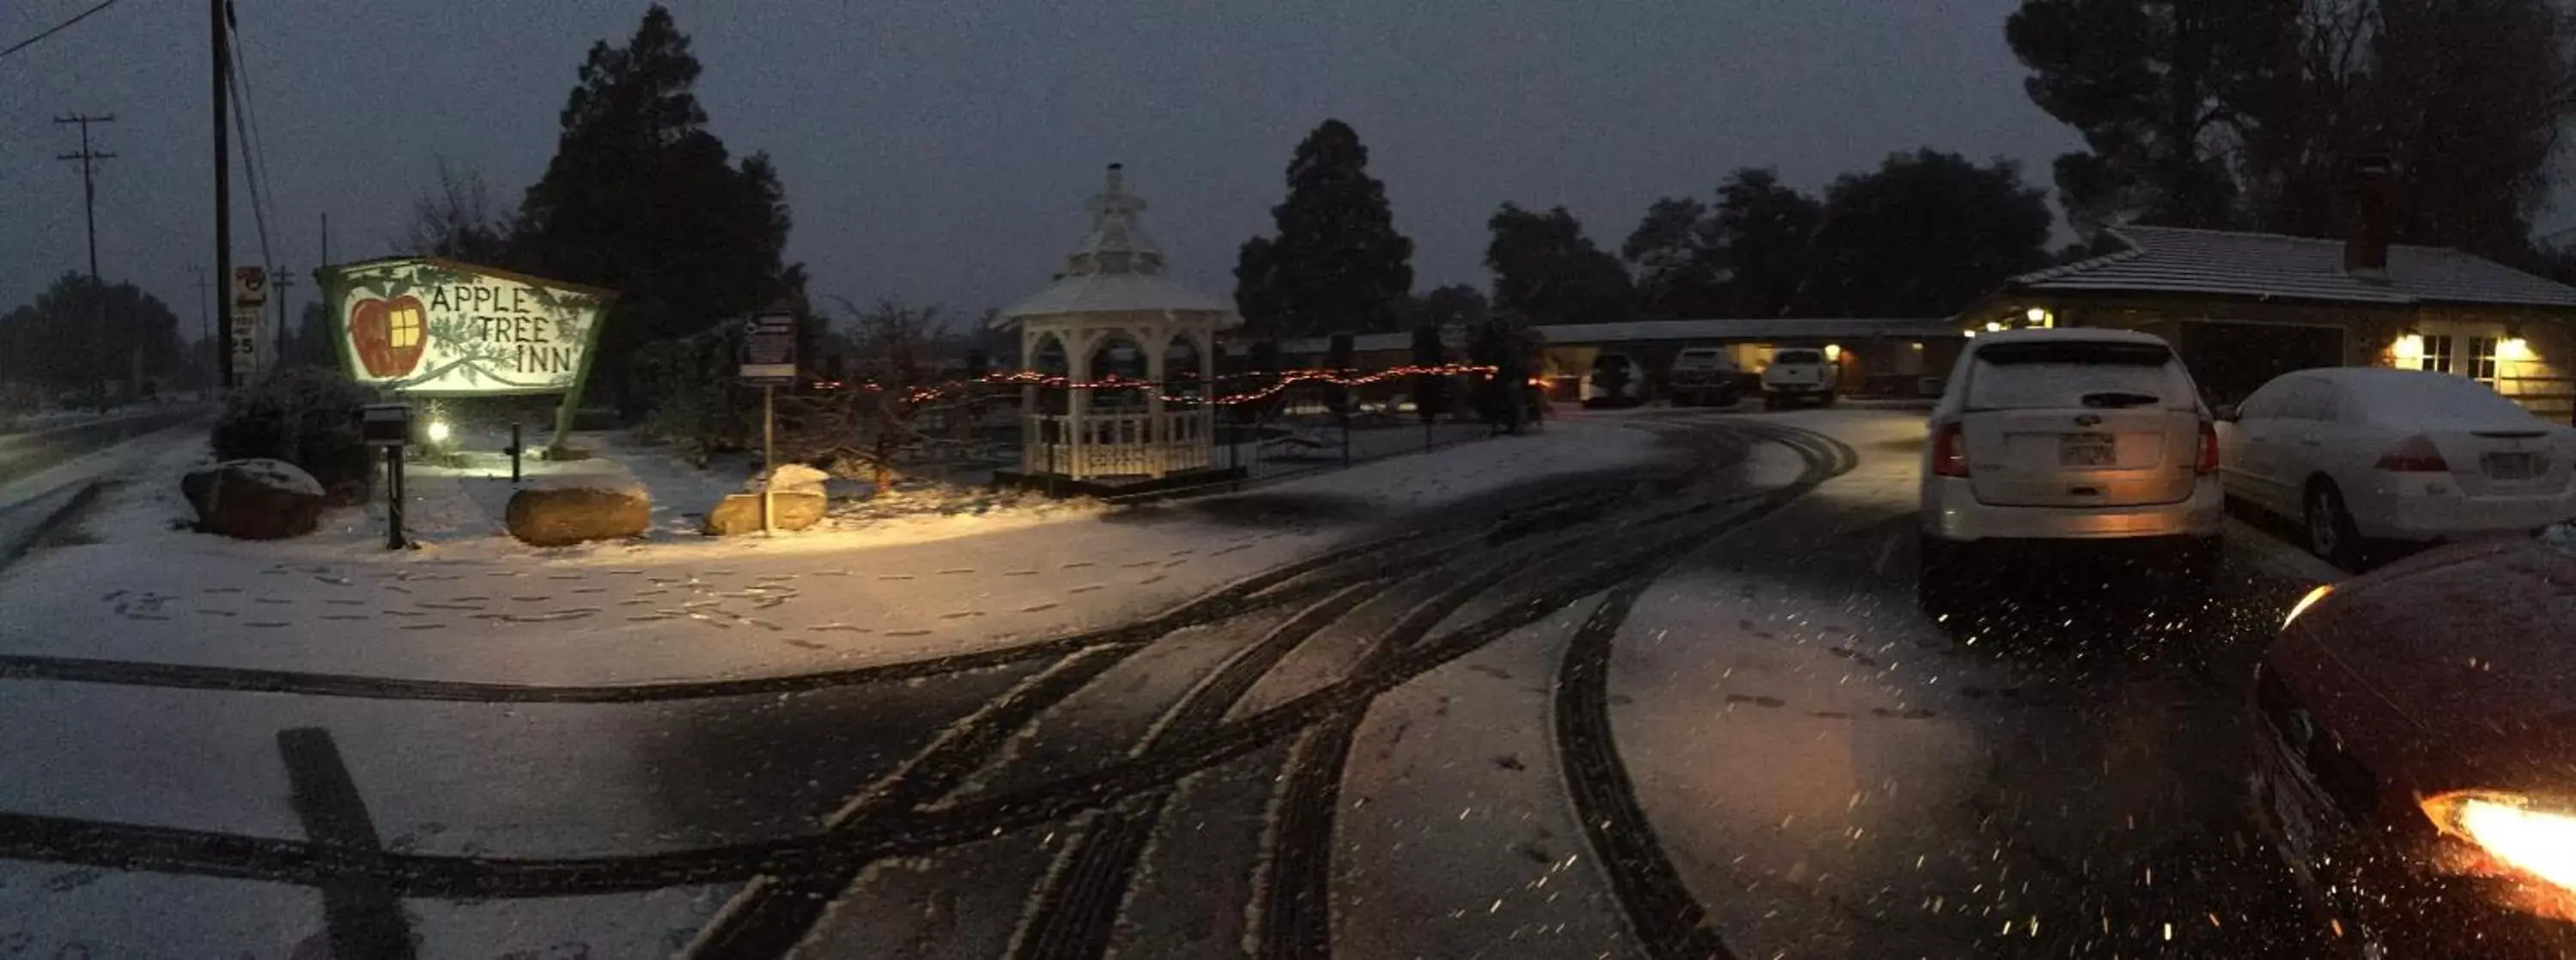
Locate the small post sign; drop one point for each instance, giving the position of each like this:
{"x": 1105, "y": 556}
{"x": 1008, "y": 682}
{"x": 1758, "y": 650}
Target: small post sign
{"x": 769, "y": 360}
{"x": 769, "y": 350}
{"x": 249, "y": 294}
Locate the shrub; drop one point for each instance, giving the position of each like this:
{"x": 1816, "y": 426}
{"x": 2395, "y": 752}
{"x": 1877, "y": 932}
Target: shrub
{"x": 307, "y": 416}
{"x": 692, "y": 392}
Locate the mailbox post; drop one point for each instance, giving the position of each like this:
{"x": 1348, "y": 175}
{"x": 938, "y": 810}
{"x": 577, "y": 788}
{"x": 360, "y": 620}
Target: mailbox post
{"x": 388, "y": 425}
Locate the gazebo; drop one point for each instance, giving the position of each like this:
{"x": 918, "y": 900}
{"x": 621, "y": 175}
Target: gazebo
{"x": 1137, "y": 349}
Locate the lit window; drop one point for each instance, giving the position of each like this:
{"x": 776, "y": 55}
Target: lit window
{"x": 405, "y": 323}
{"x": 2482, "y": 360}
{"x": 2437, "y": 353}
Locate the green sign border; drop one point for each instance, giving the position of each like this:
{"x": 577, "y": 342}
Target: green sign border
{"x": 335, "y": 282}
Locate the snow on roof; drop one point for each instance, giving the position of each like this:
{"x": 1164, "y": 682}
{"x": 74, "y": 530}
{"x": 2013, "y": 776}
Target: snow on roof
{"x": 2070, "y": 335}
{"x": 1116, "y": 268}
{"x": 2177, "y": 260}
{"x": 1765, "y": 328}
{"x": 1782, "y": 328}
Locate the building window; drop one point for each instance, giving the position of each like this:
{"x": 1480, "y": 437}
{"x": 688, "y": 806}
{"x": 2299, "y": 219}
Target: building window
{"x": 2437, "y": 352}
{"x": 2482, "y": 360}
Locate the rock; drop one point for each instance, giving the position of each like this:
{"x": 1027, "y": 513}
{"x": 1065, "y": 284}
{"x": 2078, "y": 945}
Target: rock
{"x": 254, "y": 499}
{"x": 579, "y": 510}
{"x": 740, "y": 512}
{"x": 798, "y": 478}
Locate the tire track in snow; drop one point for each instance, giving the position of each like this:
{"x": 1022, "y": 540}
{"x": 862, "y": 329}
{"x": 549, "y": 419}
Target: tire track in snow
{"x": 773, "y": 915}
{"x": 1668, "y": 920}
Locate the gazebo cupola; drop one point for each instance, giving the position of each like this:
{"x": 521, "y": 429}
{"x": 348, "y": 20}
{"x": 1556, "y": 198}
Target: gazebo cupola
{"x": 1139, "y": 347}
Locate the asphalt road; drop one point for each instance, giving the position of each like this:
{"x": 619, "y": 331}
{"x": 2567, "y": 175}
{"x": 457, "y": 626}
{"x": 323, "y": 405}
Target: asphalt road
{"x": 1217, "y": 779}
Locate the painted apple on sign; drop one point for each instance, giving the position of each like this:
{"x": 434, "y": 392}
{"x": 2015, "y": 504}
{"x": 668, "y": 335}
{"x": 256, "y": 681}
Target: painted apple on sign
{"x": 389, "y": 335}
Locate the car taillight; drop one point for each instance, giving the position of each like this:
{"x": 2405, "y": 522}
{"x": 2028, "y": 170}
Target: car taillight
{"x": 2416, "y": 455}
{"x": 2208, "y": 463}
{"x": 1950, "y": 451}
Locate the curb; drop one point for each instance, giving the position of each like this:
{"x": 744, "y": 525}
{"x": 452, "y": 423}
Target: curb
{"x": 14, "y": 544}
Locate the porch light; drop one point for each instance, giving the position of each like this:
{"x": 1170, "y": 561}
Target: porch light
{"x": 2040, "y": 317}
{"x": 1833, "y": 352}
{"x": 1994, "y": 327}
{"x": 2409, "y": 347}
{"x": 2513, "y": 348}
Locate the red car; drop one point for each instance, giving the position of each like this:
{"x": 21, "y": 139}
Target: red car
{"x": 2414, "y": 739}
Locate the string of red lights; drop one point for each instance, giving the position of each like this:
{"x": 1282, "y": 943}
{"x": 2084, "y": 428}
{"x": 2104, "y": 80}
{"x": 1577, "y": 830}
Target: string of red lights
{"x": 1286, "y": 379}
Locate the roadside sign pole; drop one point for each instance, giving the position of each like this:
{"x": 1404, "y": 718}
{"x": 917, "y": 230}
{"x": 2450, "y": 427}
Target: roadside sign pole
{"x": 388, "y": 425}
{"x": 769, "y": 456}
{"x": 769, "y": 359}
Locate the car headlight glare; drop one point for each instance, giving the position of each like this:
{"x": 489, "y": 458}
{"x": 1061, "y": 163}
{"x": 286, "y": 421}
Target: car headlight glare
{"x": 2511, "y": 829}
{"x": 2305, "y": 602}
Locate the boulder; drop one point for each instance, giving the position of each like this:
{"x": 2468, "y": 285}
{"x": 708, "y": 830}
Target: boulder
{"x": 740, "y": 512}
{"x": 798, "y": 478}
{"x": 579, "y": 510}
{"x": 254, "y": 499}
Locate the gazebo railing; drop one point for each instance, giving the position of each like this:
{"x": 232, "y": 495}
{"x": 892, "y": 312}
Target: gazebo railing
{"x": 1119, "y": 444}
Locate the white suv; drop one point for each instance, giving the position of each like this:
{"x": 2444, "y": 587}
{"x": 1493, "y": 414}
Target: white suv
{"x": 2089, "y": 435}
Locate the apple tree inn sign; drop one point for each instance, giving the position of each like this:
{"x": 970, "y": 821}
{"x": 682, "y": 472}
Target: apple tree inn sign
{"x": 427, "y": 327}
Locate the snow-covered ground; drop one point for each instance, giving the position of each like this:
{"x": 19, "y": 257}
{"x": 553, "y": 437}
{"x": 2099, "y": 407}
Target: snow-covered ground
{"x": 541, "y": 779}
{"x": 473, "y": 605}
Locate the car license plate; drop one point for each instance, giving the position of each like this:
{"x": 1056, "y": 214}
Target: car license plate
{"x": 2511, "y": 466}
{"x": 2087, "y": 450}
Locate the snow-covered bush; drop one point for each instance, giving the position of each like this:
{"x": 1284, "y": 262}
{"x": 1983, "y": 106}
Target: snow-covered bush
{"x": 306, "y": 416}
{"x": 692, "y": 392}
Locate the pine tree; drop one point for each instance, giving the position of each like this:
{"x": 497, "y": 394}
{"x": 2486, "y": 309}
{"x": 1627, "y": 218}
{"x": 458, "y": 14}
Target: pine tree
{"x": 1337, "y": 263}
{"x": 641, "y": 199}
{"x": 1547, "y": 272}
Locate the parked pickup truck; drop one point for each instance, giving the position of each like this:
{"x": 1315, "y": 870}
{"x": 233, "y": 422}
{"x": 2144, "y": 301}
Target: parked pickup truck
{"x": 1800, "y": 375}
{"x": 1704, "y": 376}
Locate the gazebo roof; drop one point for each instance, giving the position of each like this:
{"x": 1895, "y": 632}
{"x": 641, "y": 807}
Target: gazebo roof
{"x": 1116, "y": 268}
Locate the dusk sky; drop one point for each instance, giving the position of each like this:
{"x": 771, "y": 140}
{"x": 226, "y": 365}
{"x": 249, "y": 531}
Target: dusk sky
{"x": 939, "y": 152}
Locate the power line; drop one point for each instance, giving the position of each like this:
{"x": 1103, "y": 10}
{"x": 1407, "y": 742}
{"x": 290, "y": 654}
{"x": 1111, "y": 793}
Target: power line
{"x": 250, "y": 175}
{"x": 57, "y": 28}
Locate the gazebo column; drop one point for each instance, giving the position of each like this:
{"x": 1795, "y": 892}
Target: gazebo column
{"x": 1077, "y": 402}
{"x": 1203, "y": 340}
{"x": 1156, "y": 438}
{"x": 1032, "y": 413}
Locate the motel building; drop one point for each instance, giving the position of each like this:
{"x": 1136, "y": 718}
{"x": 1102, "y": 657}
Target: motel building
{"x": 2242, "y": 308}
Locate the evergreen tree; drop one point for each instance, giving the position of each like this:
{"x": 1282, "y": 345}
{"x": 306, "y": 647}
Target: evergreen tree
{"x": 1547, "y": 272}
{"x": 1676, "y": 273}
{"x": 1924, "y": 235}
{"x": 1337, "y": 263}
{"x": 1762, "y": 238}
{"x": 56, "y": 341}
{"x": 641, "y": 199}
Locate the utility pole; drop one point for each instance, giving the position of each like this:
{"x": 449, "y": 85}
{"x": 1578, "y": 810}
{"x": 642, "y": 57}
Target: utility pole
{"x": 97, "y": 365}
{"x": 278, "y": 281}
{"x": 205, "y": 322}
{"x": 223, "y": 203}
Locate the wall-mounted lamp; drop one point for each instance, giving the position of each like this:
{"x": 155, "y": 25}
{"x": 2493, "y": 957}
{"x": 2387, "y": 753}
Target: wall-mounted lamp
{"x": 1833, "y": 352}
{"x": 2513, "y": 348}
{"x": 1994, "y": 327}
{"x": 2040, "y": 317}
{"x": 2409, "y": 346}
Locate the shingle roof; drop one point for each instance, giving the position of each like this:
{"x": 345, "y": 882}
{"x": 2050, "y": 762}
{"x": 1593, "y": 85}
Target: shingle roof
{"x": 2176, "y": 260}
